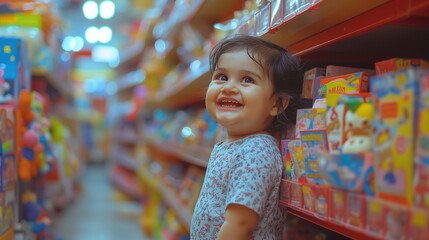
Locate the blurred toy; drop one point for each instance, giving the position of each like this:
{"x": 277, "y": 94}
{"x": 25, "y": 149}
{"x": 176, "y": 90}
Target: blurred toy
{"x": 396, "y": 221}
{"x": 321, "y": 201}
{"x": 375, "y": 216}
{"x": 395, "y": 124}
{"x": 350, "y": 172}
{"x": 297, "y": 163}
{"x": 35, "y": 215}
{"x": 338, "y": 206}
{"x": 358, "y": 123}
{"x": 314, "y": 142}
{"x": 308, "y": 198}
{"x": 418, "y": 225}
{"x": 356, "y": 205}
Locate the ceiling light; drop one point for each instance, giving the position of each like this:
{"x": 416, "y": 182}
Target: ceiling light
{"x": 90, "y": 9}
{"x": 107, "y": 9}
{"x": 91, "y": 34}
{"x": 105, "y": 34}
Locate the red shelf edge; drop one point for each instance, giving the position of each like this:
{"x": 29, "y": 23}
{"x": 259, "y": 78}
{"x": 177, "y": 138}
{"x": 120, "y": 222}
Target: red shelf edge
{"x": 343, "y": 230}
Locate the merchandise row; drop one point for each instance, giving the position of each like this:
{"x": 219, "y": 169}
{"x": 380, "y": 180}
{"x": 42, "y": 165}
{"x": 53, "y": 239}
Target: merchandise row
{"x": 363, "y": 216}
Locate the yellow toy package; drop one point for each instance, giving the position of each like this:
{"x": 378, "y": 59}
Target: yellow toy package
{"x": 395, "y": 120}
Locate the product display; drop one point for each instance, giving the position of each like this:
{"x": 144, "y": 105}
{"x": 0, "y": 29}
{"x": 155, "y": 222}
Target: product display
{"x": 356, "y": 162}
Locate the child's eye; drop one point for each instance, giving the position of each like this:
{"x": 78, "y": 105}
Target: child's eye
{"x": 221, "y": 77}
{"x": 248, "y": 80}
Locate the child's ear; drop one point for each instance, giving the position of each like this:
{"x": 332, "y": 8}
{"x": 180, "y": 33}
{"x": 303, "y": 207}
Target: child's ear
{"x": 279, "y": 106}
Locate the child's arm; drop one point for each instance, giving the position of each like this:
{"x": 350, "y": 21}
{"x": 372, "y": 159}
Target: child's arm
{"x": 240, "y": 222}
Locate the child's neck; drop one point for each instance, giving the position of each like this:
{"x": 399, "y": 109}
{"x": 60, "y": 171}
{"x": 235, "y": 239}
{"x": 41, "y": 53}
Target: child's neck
{"x": 232, "y": 138}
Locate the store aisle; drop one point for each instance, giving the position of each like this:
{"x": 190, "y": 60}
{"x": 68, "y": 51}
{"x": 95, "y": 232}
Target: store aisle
{"x": 96, "y": 215}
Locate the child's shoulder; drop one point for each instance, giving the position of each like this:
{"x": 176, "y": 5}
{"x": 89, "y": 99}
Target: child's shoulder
{"x": 260, "y": 140}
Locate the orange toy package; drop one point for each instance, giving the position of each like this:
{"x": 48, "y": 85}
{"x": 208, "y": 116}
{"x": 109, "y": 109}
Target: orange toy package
{"x": 397, "y": 64}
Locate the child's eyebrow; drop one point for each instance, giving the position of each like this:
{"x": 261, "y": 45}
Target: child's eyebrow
{"x": 252, "y": 73}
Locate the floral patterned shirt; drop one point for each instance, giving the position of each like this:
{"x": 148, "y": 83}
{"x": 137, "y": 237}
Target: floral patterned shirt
{"x": 246, "y": 172}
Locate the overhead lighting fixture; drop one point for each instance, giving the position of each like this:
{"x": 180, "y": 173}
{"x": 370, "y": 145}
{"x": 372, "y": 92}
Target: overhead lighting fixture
{"x": 91, "y": 34}
{"x": 105, "y": 34}
{"x": 107, "y": 9}
{"x": 90, "y": 9}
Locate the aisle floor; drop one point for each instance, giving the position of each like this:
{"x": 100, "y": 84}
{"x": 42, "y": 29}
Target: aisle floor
{"x": 97, "y": 214}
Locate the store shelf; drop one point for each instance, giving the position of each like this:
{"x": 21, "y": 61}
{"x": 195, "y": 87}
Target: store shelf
{"x": 307, "y": 34}
{"x": 131, "y": 79}
{"x": 215, "y": 11}
{"x": 126, "y": 182}
{"x": 124, "y": 160}
{"x": 189, "y": 90}
{"x": 347, "y": 232}
{"x": 197, "y": 157}
{"x": 168, "y": 196}
{"x": 60, "y": 87}
{"x": 126, "y": 136}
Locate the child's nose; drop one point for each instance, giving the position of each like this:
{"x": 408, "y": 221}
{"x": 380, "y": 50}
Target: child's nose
{"x": 229, "y": 87}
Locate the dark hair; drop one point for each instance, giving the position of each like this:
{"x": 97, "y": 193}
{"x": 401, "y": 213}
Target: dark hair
{"x": 281, "y": 67}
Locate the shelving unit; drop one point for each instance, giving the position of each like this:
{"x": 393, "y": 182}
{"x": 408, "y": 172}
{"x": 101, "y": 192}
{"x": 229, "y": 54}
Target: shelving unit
{"x": 355, "y": 33}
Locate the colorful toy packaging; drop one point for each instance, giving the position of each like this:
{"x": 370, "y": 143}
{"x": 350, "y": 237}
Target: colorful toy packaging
{"x": 310, "y": 119}
{"x": 308, "y": 198}
{"x": 298, "y": 172}
{"x": 7, "y": 149}
{"x": 333, "y": 89}
{"x": 311, "y": 82}
{"x": 287, "y": 160}
{"x": 375, "y": 216}
{"x": 421, "y": 187}
{"x": 357, "y": 133}
{"x": 14, "y": 70}
{"x": 395, "y": 121}
{"x": 398, "y": 64}
{"x": 338, "y": 206}
{"x": 314, "y": 142}
{"x": 321, "y": 201}
{"x": 353, "y": 172}
{"x": 356, "y": 206}
{"x": 396, "y": 221}
{"x": 418, "y": 225}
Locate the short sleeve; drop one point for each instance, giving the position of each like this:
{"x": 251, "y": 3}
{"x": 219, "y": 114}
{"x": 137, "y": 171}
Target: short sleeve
{"x": 252, "y": 177}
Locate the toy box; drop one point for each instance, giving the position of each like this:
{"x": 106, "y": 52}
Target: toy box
{"x": 321, "y": 201}
{"x": 397, "y": 217}
{"x": 310, "y": 119}
{"x": 357, "y": 132}
{"x": 307, "y": 198}
{"x": 419, "y": 224}
{"x": 356, "y": 214}
{"x": 7, "y": 204}
{"x": 14, "y": 70}
{"x": 298, "y": 172}
{"x": 352, "y": 172}
{"x": 334, "y": 70}
{"x": 287, "y": 160}
{"x": 394, "y": 137}
{"x": 311, "y": 82}
{"x": 375, "y": 216}
{"x": 314, "y": 143}
{"x": 296, "y": 194}
{"x": 338, "y": 206}
{"x": 398, "y": 64}
{"x": 421, "y": 184}
{"x": 348, "y": 83}
{"x": 277, "y": 7}
{"x": 335, "y": 88}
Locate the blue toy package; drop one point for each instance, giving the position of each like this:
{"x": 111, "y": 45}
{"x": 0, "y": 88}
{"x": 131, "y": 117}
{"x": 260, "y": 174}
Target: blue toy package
{"x": 352, "y": 171}
{"x": 14, "y": 70}
{"x": 314, "y": 142}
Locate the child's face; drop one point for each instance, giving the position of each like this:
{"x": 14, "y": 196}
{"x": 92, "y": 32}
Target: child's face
{"x": 240, "y": 96}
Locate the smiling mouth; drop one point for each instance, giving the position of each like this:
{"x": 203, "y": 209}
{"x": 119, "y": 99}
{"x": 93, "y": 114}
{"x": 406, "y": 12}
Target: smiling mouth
{"x": 228, "y": 103}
